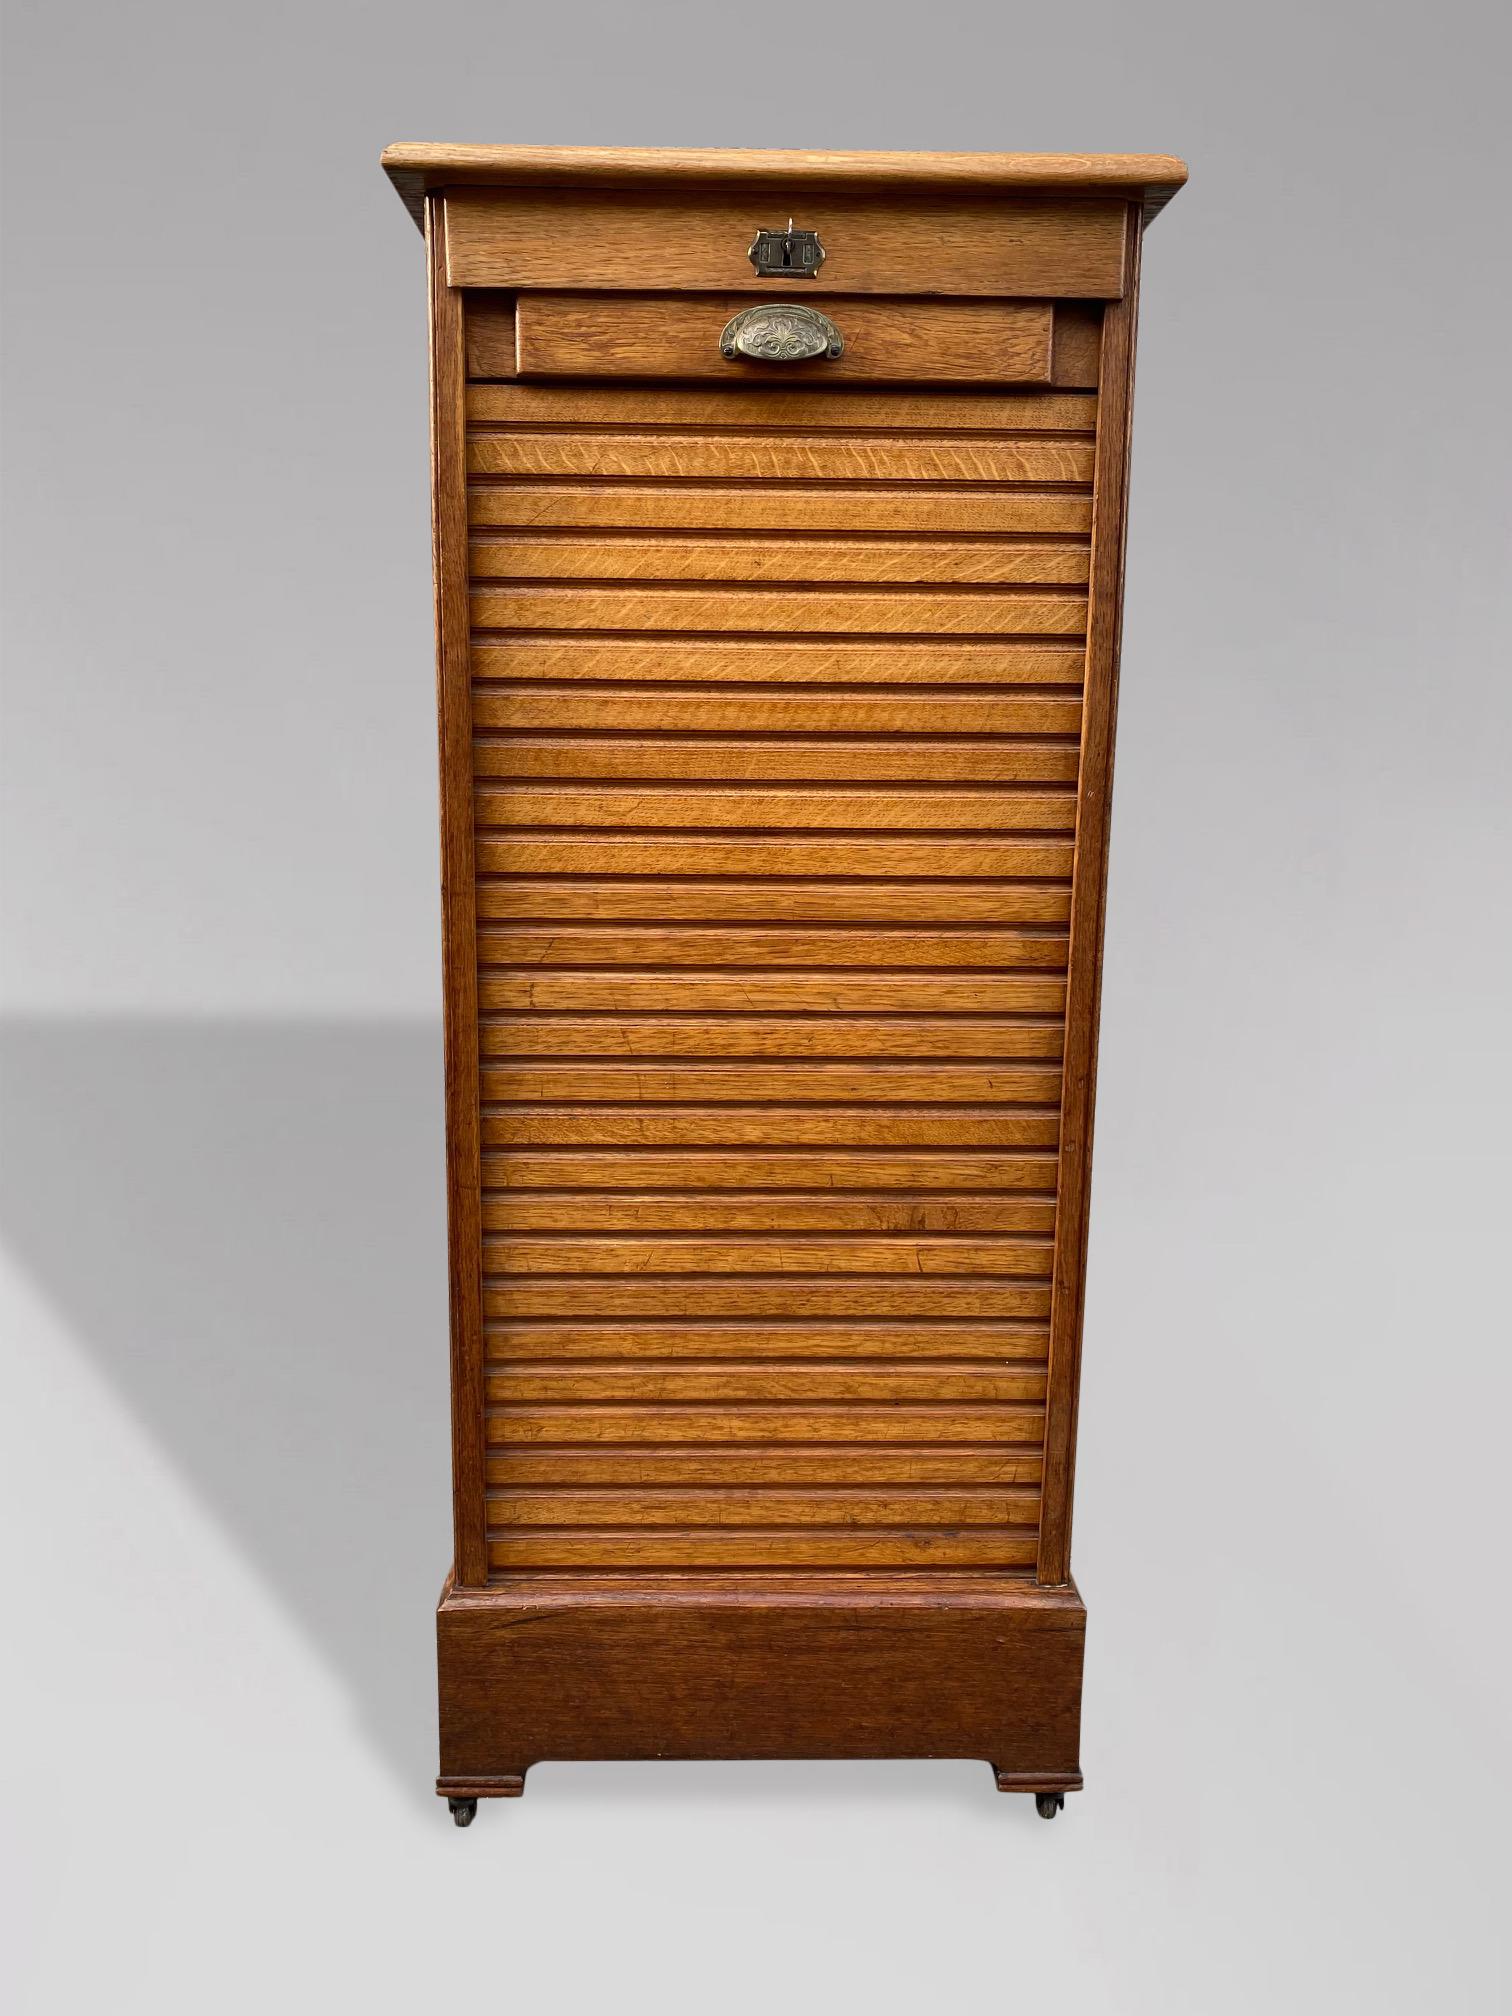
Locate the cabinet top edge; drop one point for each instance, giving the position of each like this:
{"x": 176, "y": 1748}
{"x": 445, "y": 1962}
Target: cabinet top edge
{"x": 415, "y": 167}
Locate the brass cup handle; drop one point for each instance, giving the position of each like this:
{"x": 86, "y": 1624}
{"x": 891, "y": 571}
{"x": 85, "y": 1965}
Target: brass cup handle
{"x": 780, "y": 332}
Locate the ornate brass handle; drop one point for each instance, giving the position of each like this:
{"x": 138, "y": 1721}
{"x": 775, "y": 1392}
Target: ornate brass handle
{"x": 780, "y": 332}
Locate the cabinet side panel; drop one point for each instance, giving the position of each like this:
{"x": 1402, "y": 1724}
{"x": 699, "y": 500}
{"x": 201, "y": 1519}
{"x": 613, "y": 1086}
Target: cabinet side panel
{"x": 458, "y": 915}
{"x": 1088, "y": 888}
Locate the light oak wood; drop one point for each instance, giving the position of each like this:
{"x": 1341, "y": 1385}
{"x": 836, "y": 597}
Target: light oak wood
{"x": 1033, "y": 246}
{"x": 721, "y": 507}
{"x": 579, "y": 1384}
{"x": 778, "y": 1169}
{"x": 762, "y": 1211}
{"x": 590, "y": 758}
{"x": 800, "y": 457}
{"x": 906, "y": 562}
{"x": 458, "y": 876}
{"x": 781, "y": 945}
{"x": 1000, "y": 1343}
{"x": 678, "y": 336}
{"x": 753, "y": 1254}
{"x": 1009, "y": 808}
{"x": 697, "y": 1083}
{"x": 835, "y": 1465}
{"x": 563, "y": 1506}
{"x": 689, "y": 710}
{"x": 753, "y": 1548}
{"x": 811, "y": 1295}
{"x": 993, "y": 1425}
{"x": 777, "y": 407}
{"x": 776, "y": 727}
{"x": 547, "y": 990}
{"x": 818, "y": 854}
{"x": 539, "y": 1035}
{"x": 415, "y": 166}
{"x": 649, "y": 901}
{"x": 741, "y": 1127}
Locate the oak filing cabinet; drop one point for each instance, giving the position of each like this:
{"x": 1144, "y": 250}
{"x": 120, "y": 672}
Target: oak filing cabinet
{"x": 779, "y": 521}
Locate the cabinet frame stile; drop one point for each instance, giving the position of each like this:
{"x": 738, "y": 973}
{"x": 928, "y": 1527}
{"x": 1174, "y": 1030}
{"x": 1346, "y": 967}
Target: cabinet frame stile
{"x": 458, "y": 905}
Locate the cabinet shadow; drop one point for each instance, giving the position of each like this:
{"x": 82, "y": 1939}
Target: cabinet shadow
{"x": 243, "y": 1224}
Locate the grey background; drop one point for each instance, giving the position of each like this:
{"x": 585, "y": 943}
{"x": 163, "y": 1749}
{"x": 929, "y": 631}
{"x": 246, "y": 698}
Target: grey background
{"x": 222, "y": 1440}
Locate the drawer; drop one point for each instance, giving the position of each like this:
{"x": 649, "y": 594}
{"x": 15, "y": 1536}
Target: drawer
{"x": 1032, "y": 248}
{"x": 678, "y": 336}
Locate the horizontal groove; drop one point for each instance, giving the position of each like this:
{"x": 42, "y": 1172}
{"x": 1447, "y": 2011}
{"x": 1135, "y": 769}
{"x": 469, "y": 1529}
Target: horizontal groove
{"x": 891, "y": 487}
{"x": 757, "y": 690}
{"x": 712, "y": 1452}
{"x": 821, "y": 537}
{"x": 690, "y": 585}
{"x": 484, "y": 634}
{"x": 700, "y": 431}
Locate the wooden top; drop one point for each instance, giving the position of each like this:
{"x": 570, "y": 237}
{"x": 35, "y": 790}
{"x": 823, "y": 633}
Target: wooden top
{"x": 417, "y": 166}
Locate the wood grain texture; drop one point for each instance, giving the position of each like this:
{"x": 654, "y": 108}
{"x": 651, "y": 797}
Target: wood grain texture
{"x": 974, "y": 1662}
{"x": 1035, "y": 246}
{"x": 886, "y": 341}
{"x": 999, "y": 1342}
{"x": 776, "y": 1169}
{"x": 796, "y": 457}
{"x": 854, "y": 508}
{"x": 1089, "y": 886}
{"x": 648, "y": 901}
{"x": 447, "y": 164}
{"x": 905, "y": 562}
{"x": 459, "y": 988}
{"x": 775, "y": 408}
{"x": 784, "y": 1464}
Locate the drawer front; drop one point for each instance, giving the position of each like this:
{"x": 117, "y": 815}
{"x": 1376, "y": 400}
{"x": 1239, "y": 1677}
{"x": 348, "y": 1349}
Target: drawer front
{"x": 1030, "y": 248}
{"x": 678, "y": 336}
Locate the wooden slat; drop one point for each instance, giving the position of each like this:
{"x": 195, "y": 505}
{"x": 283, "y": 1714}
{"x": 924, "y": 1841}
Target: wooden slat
{"x": 678, "y": 336}
{"x": 606, "y": 1296}
{"x": 790, "y": 458}
{"x": 764, "y": 1212}
{"x": 577, "y": 1425}
{"x": 698, "y": 507}
{"x": 756, "y": 807}
{"x": 648, "y": 900}
{"x": 781, "y": 945}
{"x": 538, "y": 1035}
{"x": 561, "y": 1505}
{"x": 762, "y": 856}
{"x": 999, "y": 1343}
{"x": 901, "y": 562}
{"x": 975, "y": 613}
{"x": 786, "y": 1169}
{"x": 704, "y": 757}
{"x": 803, "y": 408}
{"x": 701, "y": 1083}
{"x": 758, "y": 1127}
{"x": 726, "y": 1466}
{"x": 579, "y": 1384}
{"x": 796, "y": 1548}
{"x": 750, "y": 1253}
{"x": 564, "y": 238}
{"x": 672, "y": 711}
{"x": 774, "y": 992}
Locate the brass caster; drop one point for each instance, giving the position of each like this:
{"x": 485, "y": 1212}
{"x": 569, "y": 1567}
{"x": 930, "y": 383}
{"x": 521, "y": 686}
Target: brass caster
{"x": 1048, "y": 1804}
{"x": 463, "y": 1811}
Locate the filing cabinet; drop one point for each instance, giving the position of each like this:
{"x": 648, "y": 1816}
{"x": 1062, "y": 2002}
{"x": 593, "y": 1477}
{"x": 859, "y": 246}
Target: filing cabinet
{"x": 779, "y": 520}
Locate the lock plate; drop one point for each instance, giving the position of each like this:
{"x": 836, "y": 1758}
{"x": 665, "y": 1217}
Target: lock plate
{"x": 786, "y": 255}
